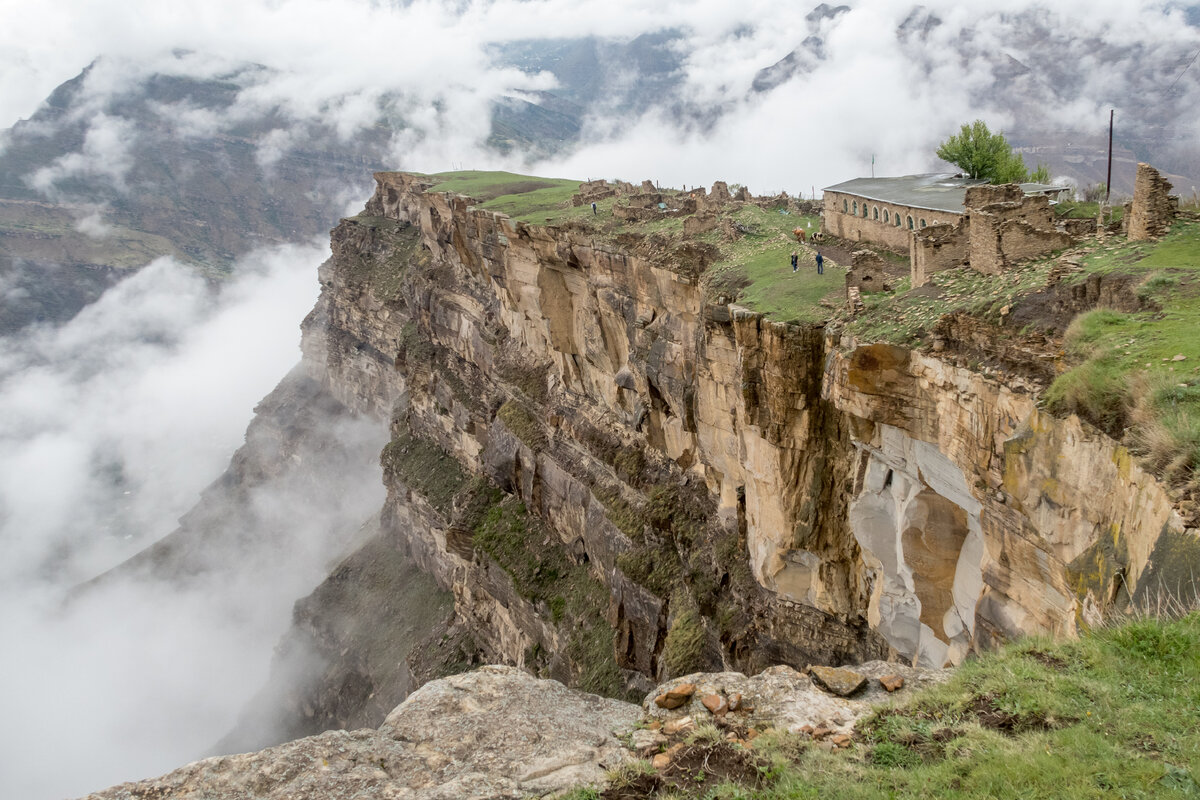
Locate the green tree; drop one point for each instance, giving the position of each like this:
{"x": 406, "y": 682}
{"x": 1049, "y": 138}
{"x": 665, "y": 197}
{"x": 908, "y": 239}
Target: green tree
{"x": 983, "y": 154}
{"x": 1040, "y": 175}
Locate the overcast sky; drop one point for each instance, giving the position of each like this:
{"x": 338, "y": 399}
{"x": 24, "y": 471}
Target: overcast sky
{"x": 873, "y": 95}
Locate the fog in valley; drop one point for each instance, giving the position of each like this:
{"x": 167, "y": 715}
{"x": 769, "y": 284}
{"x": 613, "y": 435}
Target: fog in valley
{"x": 112, "y": 424}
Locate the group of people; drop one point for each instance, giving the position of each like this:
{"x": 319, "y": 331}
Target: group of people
{"x": 820, "y": 262}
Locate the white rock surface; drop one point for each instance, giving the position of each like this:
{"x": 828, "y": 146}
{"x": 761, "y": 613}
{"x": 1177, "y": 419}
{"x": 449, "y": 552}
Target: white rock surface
{"x": 496, "y": 732}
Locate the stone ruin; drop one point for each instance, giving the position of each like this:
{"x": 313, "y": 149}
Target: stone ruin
{"x": 1153, "y": 208}
{"x": 867, "y": 273}
{"x": 593, "y": 192}
{"x": 1000, "y": 226}
{"x": 703, "y": 210}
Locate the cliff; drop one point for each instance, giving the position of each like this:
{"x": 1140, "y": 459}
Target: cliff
{"x": 621, "y": 480}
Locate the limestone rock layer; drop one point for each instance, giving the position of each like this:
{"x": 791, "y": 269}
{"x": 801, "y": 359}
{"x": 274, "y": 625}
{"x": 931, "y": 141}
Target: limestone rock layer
{"x": 620, "y": 482}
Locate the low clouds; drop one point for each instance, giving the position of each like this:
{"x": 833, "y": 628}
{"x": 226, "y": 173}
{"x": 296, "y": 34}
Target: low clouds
{"x": 428, "y": 68}
{"x": 109, "y": 428}
{"x": 105, "y": 154}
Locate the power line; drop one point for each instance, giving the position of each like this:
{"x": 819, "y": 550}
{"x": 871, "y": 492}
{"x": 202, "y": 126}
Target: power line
{"x": 1185, "y": 69}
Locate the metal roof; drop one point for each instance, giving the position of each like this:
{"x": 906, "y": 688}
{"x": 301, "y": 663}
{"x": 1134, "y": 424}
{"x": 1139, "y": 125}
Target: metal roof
{"x": 1043, "y": 188}
{"x": 938, "y": 192}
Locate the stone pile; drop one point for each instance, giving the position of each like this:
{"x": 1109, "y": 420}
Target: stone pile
{"x": 823, "y": 704}
{"x": 1153, "y": 207}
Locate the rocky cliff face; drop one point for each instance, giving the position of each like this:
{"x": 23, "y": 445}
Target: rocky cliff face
{"x": 619, "y": 481}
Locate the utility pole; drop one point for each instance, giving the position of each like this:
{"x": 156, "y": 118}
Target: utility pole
{"x": 1108, "y": 180}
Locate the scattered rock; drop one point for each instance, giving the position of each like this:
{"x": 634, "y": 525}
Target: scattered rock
{"x": 716, "y": 704}
{"x": 663, "y": 760}
{"x": 841, "y": 740}
{"x": 837, "y": 680}
{"x": 674, "y": 726}
{"x": 1179, "y": 357}
{"x": 892, "y": 682}
{"x": 646, "y": 741}
{"x": 676, "y": 697}
{"x": 735, "y": 701}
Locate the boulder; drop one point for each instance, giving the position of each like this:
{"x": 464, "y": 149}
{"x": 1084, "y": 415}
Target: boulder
{"x": 836, "y": 680}
{"x": 497, "y": 732}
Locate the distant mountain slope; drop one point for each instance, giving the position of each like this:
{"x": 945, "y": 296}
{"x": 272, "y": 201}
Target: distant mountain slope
{"x": 91, "y": 187}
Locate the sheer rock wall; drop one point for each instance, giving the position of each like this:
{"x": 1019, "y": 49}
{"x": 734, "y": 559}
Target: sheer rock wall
{"x": 757, "y": 490}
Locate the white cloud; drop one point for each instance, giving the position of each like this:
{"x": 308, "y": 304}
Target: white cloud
{"x": 93, "y": 225}
{"x": 109, "y": 428}
{"x": 105, "y": 154}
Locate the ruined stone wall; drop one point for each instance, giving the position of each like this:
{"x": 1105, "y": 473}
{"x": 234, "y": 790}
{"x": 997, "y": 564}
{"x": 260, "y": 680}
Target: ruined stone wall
{"x": 844, "y": 218}
{"x": 937, "y": 248}
{"x": 1001, "y": 227}
{"x": 868, "y": 272}
{"x": 1153, "y": 207}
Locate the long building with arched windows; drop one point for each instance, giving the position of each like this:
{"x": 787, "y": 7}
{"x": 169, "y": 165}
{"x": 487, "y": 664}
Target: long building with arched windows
{"x": 886, "y": 211}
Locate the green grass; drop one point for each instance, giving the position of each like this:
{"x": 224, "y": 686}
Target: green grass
{"x": 1113, "y": 714}
{"x": 762, "y": 261}
{"x": 758, "y": 262}
{"x": 1080, "y": 209}
{"x": 1125, "y": 376}
{"x": 903, "y": 317}
{"x": 523, "y": 197}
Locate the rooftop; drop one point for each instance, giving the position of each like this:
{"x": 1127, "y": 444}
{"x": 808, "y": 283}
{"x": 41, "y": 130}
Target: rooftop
{"x": 941, "y": 191}
{"x": 937, "y": 192}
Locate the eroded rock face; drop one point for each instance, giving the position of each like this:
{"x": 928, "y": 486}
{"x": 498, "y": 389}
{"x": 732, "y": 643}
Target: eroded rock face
{"x": 980, "y": 517}
{"x": 492, "y": 733}
{"x": 746, "y": 492}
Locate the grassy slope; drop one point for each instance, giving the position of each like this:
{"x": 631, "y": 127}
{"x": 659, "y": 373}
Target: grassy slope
{"x": 759, "y": 259}
{"x": 1126, "y": 373}
{"x": 1114, "y": 714}
{"x": 524, "y": 197}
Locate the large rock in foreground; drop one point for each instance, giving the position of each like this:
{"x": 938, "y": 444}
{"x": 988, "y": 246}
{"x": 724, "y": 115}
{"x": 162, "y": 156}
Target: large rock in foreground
{"x": 496, "y": 732}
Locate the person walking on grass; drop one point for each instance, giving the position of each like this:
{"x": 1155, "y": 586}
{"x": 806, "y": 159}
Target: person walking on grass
{"x": 820, "y": 264}
{"x": 795, "y": 261}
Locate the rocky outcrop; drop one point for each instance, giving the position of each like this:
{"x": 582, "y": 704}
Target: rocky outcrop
{"x": 493, "y": 733}
{"x": 681, "y": 468}
{"x": 731, "y": 492}
{"x": 498, "y": 732}
{"x": 981, "y": 517}
{"x": 786, "y": 699}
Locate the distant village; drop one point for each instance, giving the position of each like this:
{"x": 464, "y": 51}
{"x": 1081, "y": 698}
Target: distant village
{"x": 947, "y": 220}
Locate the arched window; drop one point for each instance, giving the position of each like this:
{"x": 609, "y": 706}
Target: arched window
{"x": 922, "y": 222}
{"x": 896, "y": 218}
{"x": 845, "y": 206}
{"x": 910, "y": 223}
{"x": 875, "y": 213}
{"x": 856, "y": 208}
{"x": 864, "y": 210}
{"x": 885, "y": 217}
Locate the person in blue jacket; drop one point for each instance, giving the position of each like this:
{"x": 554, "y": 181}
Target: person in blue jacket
{"x": 820, "y": 264}
{"x": 795, "y": 261}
